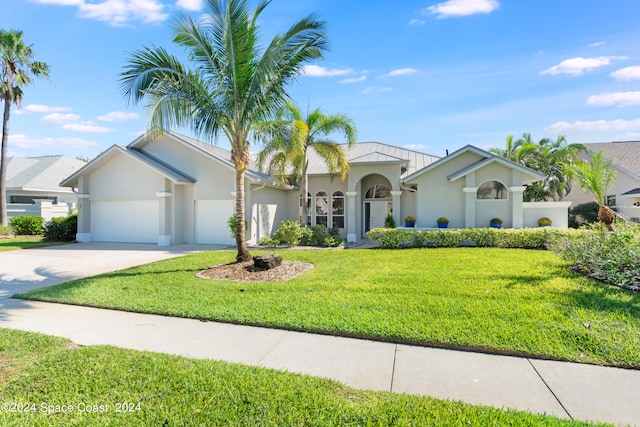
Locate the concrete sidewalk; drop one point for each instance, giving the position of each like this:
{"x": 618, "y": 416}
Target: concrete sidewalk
{"x": 568, "y": 390}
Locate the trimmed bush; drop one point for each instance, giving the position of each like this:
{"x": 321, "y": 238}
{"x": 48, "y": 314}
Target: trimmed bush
{"x": 526, "y": 238}
{"x": 288, "y": 233}
{"x": 610, "y": 257}
{"x": 27, "y": 225}
{"x": 61, "y": 229}
{"x": 6, "y": 230}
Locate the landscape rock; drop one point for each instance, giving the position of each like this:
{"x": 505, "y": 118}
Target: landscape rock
{"x": 267, "y": 261}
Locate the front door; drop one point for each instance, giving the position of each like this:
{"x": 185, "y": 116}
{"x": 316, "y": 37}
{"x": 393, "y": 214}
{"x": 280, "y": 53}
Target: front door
{"x": 375, "y": 212}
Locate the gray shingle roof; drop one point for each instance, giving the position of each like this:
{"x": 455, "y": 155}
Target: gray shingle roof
{"x": 44, "y": 173}
{"x": 626, "y": 154}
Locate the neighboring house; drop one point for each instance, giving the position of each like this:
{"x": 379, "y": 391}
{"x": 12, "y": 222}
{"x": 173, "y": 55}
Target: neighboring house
{"x": 624, "y": 197}
{"x": 33, "y": 186}
{"x": 179, "y": 190}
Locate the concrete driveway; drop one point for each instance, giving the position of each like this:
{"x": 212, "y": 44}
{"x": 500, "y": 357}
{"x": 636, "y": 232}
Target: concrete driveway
{"x": 24, "y": 270}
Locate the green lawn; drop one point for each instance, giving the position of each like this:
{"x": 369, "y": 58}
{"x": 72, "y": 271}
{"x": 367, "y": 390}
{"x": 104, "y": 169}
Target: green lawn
{"x": 505, "y": 300}
{"x": 11, "y": 244}
{"x": 39, "y": 373}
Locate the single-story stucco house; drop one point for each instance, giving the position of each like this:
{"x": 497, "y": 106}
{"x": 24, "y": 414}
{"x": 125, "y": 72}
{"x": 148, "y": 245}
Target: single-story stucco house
{"x": 33, "y": 186}
{"x": 624, "y": 196}
{"x": 178, "y": 190}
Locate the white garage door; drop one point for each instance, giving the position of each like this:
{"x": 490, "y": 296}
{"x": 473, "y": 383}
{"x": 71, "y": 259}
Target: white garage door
{"x": 211, "y": 218}
{"x": 130, "y": 221}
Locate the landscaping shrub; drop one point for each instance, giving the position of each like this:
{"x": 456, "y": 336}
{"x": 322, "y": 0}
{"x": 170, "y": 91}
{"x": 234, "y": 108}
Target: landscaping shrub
{"x": 583, "y": 213}
{"x": 610, "y": 257}
{"x": 6, "y": 230}
{"x": 289, "y": 233}
{"x": 27, "y": 225}
{"x": 61, "y": 229}
{"x": 389, "y": 222}
{"x": 526, "y": 238}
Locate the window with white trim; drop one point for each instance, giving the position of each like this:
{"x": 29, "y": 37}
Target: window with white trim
{"x": 337, "y": 209}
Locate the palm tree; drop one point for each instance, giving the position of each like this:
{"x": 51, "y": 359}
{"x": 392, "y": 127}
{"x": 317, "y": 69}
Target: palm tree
{"x": 292, "y": 135}
{"x": 597, "y": 177}
{"x": 235, "y": 86}
{"x": 554, "y": 159}
{"x": 17, "y": 68}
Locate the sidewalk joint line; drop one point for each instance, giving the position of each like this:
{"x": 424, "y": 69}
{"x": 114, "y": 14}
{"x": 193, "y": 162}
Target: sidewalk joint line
{"x": 549, "y": 388}
{"x": 393, "y": 367}
{"x": 266, "y": 353}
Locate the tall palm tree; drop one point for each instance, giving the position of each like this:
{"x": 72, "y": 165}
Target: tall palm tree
{"x": 17, "y": 68}
{"x": 597, "y": 177}
{"x": 234, "y": 86}
{"x": 292, "y": 136}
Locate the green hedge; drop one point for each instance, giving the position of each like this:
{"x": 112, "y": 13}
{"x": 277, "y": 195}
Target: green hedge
{"x": 525, "y": 238}
{"x": 61, "y": 229}
{"x": 27, "y": 225}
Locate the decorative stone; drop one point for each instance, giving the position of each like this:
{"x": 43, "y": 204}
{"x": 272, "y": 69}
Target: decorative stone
{"x": 267, "y": 261}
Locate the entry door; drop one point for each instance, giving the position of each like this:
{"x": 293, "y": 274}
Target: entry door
{"x": 375, "y": 214}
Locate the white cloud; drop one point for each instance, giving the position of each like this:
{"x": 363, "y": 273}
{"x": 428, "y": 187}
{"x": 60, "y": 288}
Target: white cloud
{"x": 60, "y": 118}
{"x": 118, "y": 116}
{"x": 627, "y": 73}
{"x": 26, "y": 142}
{"x": 37, "y": 108}
{"x": 619, "y": 125}
{"x": 417, "y": 147}
{"x": 318, "y": 71}
{"x": 86, "y": 127}
{"x": 621, "y": 99}
{"x": 416, "y": 22}
{"x": 376, "y": 89}
{"x": 400, "y": 72}
{"x": 596, "y": 44}
{"x": 192, "y": 5}
{"x": 354, "y": 79}
{"x": 577, "y": 66}
{"x": 117, "y": 12}
{"x": 461, "y": 8}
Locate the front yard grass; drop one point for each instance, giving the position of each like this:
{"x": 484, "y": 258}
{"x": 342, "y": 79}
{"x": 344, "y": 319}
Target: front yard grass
{"x": 11, "y": 243}
{"x": 501, "y": 300}
{"x": 42, "y": 373}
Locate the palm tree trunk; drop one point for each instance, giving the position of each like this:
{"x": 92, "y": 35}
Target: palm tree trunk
{"x": 4, "y": 220}
{"x": 606, "y": 216}
{"x": 241, "y": 241}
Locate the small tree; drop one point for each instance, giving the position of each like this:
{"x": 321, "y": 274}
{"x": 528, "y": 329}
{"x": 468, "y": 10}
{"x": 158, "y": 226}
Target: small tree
{"x": 597, "y": 177}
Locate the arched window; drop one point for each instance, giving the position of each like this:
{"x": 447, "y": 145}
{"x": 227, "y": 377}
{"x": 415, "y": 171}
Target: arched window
{"x": 308, "y": 221}
{"x": 322, "y": 208}
{"x": 378, "y": 192}
{"x": 491, "y": 190}
{"x": 337, "y": 210}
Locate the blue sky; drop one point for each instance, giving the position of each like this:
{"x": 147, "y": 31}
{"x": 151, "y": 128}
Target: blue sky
{"x": 422, "y": 74}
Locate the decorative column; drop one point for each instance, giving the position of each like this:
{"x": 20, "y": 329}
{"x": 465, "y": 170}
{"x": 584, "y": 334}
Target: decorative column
{"x": 517, "y": 213}
{"x": 84, "y": 210}
{"x": 352, "y": 235}
{"x": 396, "y": 206}
{"x": 470, "y": 206}
{"x": 164, "y": 231}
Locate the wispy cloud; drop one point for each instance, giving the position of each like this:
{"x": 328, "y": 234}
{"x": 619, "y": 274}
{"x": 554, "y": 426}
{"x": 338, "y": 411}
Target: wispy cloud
{"x": 117, "y": 12}
{"x": 457, "y": 8}
{"x": 417, "y": 147}
{"x": 118, "y": 116}
{"x": 596, "y": 44}
{"x": 620, "y": 99}
{"x": 619, "y": 125}
{"x": 627, "y": 73}
{"x": 376, "y": 89}
{"x": 60, "y": 118}
{"x": 577, "y": 66}
{"x": 86, "y": 127}
{"x": 37, "y": 108}
{"x": 400, "y": 72}
{"x": 416, "y": 22}
{"x": 25, "y": 142}
{"x": 318, "y": 71}
{"x": 193, "y": 5}
{"x": 354, "y": 79}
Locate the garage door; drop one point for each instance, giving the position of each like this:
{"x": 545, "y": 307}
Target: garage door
{"x": 211, "y": 218}
{"x": 125, "y": 221}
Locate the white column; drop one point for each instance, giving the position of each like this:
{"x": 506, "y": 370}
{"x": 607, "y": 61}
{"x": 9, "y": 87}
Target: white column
{"x": 396, "y": 206}
{"x": 517, "y": 216}
{"x": 470, "y": 206}
{"x": 352, "y": 235}
{"x": 164, "y": 229}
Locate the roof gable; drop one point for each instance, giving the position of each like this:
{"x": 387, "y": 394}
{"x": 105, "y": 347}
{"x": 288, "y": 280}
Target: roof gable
{"x": 43, "y": 173}
{"x": 625, "y": 155}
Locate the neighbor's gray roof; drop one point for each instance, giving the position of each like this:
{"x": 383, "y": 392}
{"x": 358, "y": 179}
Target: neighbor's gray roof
{"x": 42, "y": 173}
{"x": 625, "y": 154}
{"x": 376, "y": 152}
